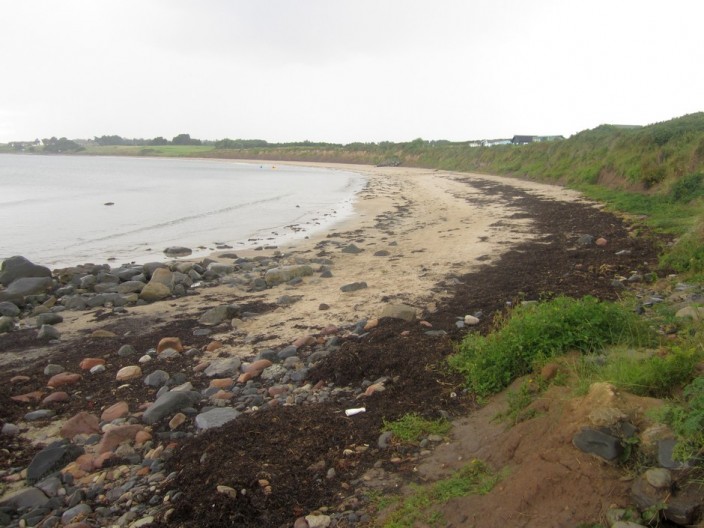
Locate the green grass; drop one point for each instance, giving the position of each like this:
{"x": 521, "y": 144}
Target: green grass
{"x": 536, "y": 332}
{"x": 686, "y": 418}
{"x": 653, "y": 375}
{"x": 412, "y": 427}
{"x": 474, "y": 479}
{"x": 150, "y": 150}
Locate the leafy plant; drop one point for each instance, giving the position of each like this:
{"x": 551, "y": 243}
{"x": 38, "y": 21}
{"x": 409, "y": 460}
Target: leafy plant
{"x": 687, "y": 420}
{"x": 541, "y": 331}
{"x": 411, "y": 427}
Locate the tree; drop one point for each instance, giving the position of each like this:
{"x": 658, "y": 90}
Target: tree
{"x": 185, "y": 139}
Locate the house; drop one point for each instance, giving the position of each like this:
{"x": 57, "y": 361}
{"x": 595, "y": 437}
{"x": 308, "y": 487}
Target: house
{"x": 522, "y": 140}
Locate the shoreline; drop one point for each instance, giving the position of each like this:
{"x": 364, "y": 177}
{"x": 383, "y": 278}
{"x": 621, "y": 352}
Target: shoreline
{"x": 413, "y": 229}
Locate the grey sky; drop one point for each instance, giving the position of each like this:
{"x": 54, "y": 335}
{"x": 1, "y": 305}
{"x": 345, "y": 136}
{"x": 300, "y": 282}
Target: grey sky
{"x": 344, "y": 70}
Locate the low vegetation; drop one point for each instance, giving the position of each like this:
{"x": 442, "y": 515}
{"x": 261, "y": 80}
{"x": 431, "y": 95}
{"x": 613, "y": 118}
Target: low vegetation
{"x": 418, "y": 507}
{"x": 534, "y": 332}
{"x": 412, "y": 427}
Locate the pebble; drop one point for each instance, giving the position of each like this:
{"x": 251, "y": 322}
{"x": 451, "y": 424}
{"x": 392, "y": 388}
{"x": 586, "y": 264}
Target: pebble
{"x": 89, "y": 363}
{"x": 115, "y": 411}
{"x": 63, "y": 378}
{"x": 129, "y": 372}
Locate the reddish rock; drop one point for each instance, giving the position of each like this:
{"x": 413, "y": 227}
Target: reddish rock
{"x": 118, "y": 410}
{"x": 222, "y": 383}
{"x": 86, "y": 462}
{"x": 426, "y": 324}
{"x": 169, "y": 342}
{"x": 329, "y": 330}
{"x": 245, "y": 377}
{"x": 277, "y": 389}
{"x": 222, "y": 395}
{"x": 319, "y": 385}
{"x": 81, "y": 423}
{"x": 601, "y": 242}
{"x": 129, "y": 372}
{"x": 89, "y": 363}
{"x": 259, "y": 364}
{"x": 28, "y": 397}
{"x": 19, "y": 379}
{"x": 304, "y": 341}
{"x": 213, "y": 345}
{"x": 63, "y": 378}
{"x": 117, "y": 435}
{"x": 200, "y": 367}
{"x": 103, "y": 334}
{"x": 56, "y": 397}
{"x": 141, "y": 437}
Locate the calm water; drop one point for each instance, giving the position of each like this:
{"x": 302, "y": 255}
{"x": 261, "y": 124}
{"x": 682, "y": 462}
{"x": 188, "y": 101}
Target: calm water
{"x": 52, "y": 208}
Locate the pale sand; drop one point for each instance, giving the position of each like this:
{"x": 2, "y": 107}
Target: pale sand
{"x": 436, "y": 232}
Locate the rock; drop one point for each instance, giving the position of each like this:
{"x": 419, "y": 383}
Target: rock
{"x": 28, "y": 397}
{"x": 19, "y": 267}
{"x": 115, "y": 411}
{"x": 177, "y": 251}
{"x": 666, "y": 447}
{"x": 25, "y": 498}
{"x": 217, "y": 315}
{"x": 63, "y": 378}
{"x": 52, "y": 369}
{"x": 103, "y": 334}
{"x": 599, "y": 443}
{"x": 81, "y": 423}
{"x": 399, "y": 311}
{"x": 156, "y": 378}
{"x": 691, "y": 312}
{"x": 384, "y": 438}
{"x": 601, "y": 242}
{"x": 354, "y": 286}
{"x": 48, "y": 332}
{"x": 49, "y": 318}
{"x": 129, "y": 372}
{"x": 131, "y": 286}
{"x": 227, "y": 490}
{"x": 177, "y": 420}
{"x": 470, "y": 320}
{"x": 275, "y": 276}
{"x": 684, "y": 507}
{"x": 27, "y": 286}
{"x": 9, "y": 429}
{"x": 154, "y": 292}
{"x": 117, "y": 435}
{"x": 259, "y": 364}
{"x": 216, "y": 418}
{"x": 220, "y": 268}
{"x": 173, "y": 343}
{"x": 168, "y": 404}
{"x": 646, "y": 496}
{"x": 56, "y": 397}
{"x": 8, "y": 309}
{"x": 382, "y": 253}
{"x": 126, "y": 351}
{"x": 658, "y": 477}
{"x": 352, "y": 249}
{"x": 80, "y": 510}
{"x": 51, "y": 459}
{"x": 223, "y": 368}
{"x": 585, "y": 240}
{"x": 7, "y": 324}
{"x": 318, "y": 521}
{"x": 89, "y": 363}
{"x": 39, "y": 414}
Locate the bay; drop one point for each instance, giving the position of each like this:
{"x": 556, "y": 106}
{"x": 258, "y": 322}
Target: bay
{"x": 66, "y": 210}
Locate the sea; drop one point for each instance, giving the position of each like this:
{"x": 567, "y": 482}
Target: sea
{"x": 61, "y": 211}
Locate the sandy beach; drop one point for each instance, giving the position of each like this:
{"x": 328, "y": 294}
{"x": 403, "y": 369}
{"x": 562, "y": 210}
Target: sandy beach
{"x": 413, "y": 227}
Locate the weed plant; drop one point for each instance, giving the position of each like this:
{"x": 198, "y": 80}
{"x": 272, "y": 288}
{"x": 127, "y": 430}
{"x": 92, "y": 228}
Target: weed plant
{"x": 687, "y": 420}
{"x": 411, "y": 427}
{"x": 473, "y": 479}
{"x": 536, "y": 332}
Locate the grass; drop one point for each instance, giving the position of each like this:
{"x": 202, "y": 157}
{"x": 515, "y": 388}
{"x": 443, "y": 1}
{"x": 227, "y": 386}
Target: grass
{"x": 417, "y": 508}
{"x": 150, "y": 150}
{"x": 412, "y": 427}
{"x": 536, "y": 332}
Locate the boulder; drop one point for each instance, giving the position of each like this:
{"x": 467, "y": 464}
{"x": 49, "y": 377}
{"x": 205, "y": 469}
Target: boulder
{"x": 177, "y": 251}
{"x": 154, "y": 291}
{"x": 217, "y": 315}
{"x": 399, "y": 311}
{"x": 26, "y": 286}
{"x": 19, "y": 267}
{"x": 275, "y": 276}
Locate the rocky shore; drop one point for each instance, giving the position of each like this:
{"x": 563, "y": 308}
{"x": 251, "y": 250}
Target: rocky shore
{"x": 252, "y": 390}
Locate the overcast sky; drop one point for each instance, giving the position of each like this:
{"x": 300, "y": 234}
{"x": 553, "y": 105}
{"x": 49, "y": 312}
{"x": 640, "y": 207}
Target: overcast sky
{"x": 344, "y": 70}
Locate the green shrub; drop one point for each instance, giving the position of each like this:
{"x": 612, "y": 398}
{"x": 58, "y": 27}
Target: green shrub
{"x": 687, "y": 420}
{"x": 687, "y": 188}
{"x": 541, "y": 331}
